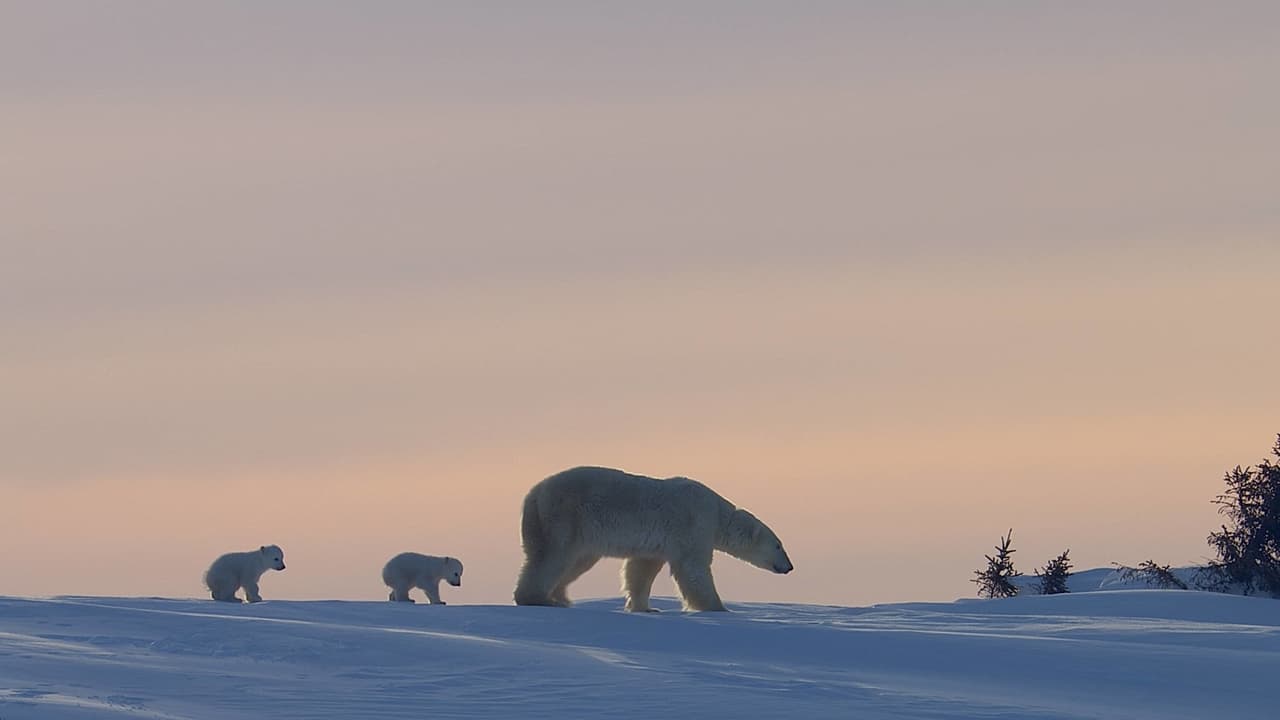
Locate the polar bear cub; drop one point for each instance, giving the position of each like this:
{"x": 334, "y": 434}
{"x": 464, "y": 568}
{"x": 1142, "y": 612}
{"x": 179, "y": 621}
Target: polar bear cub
{"x": 574, "y": 518}
{"x": 237, "y": 570}
{"x": 410, "y": 570}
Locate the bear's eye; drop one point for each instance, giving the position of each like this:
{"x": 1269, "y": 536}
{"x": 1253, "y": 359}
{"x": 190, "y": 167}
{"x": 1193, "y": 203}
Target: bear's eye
{"x": 778, "y": 547}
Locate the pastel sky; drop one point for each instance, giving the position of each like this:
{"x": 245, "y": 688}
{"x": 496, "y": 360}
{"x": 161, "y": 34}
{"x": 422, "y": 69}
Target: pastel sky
{"x": 350, "y": 277}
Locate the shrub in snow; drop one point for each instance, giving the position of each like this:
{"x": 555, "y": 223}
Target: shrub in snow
{"x": 1248, "y": 546}
{"x": 1154, "y": 575}
{"x": 1213, "y": 579}
{"x": 996, "y": 581}
{"x": 1053, "y": 578}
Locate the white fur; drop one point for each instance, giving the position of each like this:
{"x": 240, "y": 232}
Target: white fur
{"x": 574, "y": 518}
{"x": 410, "y": 570}
{"x": 237, "y": 570}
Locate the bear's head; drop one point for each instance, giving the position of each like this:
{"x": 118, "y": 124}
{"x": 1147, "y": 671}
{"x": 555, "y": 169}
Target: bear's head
{"x": 274, "y": 556}
{"x": 753, "y": 541}
{"x": 453, "y": 571}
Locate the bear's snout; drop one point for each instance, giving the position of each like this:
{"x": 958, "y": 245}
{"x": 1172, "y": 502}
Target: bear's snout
{"x": 784, "y": 570}
{"x": 281, "y": 566}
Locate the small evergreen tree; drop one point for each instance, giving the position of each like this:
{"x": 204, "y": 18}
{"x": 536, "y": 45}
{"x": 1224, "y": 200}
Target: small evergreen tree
{"x": 1053, "y": 578}
{"x": 1160, "y": 576}
{"x": 996, "y": 581}
{"x": 1249, "y": 546}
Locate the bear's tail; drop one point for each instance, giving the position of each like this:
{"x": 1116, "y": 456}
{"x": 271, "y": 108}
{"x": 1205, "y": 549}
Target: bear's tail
{"x": 532, "y": 536}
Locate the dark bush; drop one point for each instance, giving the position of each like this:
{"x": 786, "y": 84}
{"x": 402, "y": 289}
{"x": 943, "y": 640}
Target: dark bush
{"x": 1053, "y": 578}
{"x": 996, "y": 581}
{"x": 1155, "y": 575}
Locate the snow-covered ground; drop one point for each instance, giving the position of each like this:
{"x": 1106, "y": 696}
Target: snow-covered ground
{"x": 1120, "y": 654}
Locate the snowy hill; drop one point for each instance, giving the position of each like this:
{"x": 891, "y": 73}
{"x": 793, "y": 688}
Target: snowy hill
{"x": 1104, "y": 579}
{"x": 1122, "y": 654}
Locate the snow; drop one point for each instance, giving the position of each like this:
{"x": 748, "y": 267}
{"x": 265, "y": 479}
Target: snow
{"x": 1117, "y": 654}
{"x": 1105, "y": 579}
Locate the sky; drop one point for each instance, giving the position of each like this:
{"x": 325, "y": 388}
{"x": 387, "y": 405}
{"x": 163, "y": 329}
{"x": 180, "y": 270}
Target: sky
{"x": 896, "y": 277}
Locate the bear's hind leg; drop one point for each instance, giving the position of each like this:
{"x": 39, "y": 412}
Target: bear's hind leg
{"x": 697, "y": 588}
{"x": 222, "y": 591}
{"x": 560, "y": 595}
{"x": 638, "y": 575}
{"x": 539, "y": 577}
{"x": 400, "y": 593}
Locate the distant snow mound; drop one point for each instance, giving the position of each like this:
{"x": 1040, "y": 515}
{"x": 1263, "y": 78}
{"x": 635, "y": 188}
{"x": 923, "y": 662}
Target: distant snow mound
{"x": 1102, "y": 579}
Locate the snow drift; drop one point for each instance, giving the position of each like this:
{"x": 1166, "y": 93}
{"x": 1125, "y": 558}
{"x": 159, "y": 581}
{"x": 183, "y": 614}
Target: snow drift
{"x": 1122, "y": 654}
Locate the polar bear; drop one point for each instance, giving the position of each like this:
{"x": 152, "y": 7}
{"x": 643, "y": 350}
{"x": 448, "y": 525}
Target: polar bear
{"x": 409, "y": 570}
{"x": 574, "y": 518}
{"x": 237, "y": 570}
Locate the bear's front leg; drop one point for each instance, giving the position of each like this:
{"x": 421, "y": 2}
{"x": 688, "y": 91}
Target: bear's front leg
{"x": 433, "y": 592}
{"x": 697, "y": 588}
{"x": 251, "y": 592}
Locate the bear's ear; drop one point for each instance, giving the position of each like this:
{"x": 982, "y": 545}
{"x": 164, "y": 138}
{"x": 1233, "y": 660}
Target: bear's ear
{"x": 262, "y": 549}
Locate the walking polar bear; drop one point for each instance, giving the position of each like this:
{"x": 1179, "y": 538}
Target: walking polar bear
{"x": 574, "y": 518}
{"x": 410, "y": 570}
{"x": 235, "y": 570}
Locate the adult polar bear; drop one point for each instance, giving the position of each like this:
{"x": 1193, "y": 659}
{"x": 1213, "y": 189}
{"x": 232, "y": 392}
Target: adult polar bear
{"x": 574, "y": 518}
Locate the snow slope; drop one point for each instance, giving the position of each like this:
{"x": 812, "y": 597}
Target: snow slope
{"x": 1104, "y": 579}
{"x": 1122, "y": 654}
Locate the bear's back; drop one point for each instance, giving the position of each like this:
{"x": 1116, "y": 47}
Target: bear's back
{"x": 227, "y": 566}
{"x": 596, "y": 484}
{"x": 606, "y": 495}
